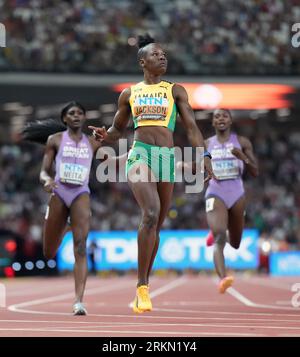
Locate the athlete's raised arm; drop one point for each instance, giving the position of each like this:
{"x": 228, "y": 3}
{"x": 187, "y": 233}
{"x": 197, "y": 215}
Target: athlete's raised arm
{"x": 120, "y": 121}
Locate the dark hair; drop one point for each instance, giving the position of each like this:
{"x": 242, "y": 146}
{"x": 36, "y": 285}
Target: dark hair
{"x": 38, "y": 131}
{"x": 142, "y": 42}
{"x": 64, "y": 111}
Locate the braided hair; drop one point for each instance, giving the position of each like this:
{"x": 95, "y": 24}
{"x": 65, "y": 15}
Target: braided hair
{"x": 142, "y": 42}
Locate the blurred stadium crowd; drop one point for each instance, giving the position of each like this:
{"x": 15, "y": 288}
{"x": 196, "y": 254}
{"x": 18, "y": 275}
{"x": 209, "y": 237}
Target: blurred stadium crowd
{"x": 273, "y": 197}
{"x": 202, "y": 36}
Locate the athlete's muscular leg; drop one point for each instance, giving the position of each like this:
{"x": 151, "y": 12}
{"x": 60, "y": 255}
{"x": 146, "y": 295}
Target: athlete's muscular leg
{"x": 80, "y": 222}
{"x": 236, "y": 220}
{"x": 147, "y": 197}
{"x": 165, "y": 192}
{"x": 54, "y": 227}
{"x": 217, "y": 219}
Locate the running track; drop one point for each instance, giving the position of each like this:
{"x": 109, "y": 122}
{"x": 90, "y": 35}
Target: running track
{"x": 183, "y": 306}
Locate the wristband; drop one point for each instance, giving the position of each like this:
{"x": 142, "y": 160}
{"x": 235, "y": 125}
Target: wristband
{"x": 207, "y": 154}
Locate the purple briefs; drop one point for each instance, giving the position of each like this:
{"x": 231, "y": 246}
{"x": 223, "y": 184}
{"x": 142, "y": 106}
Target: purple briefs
{"x": 68, "y": 193}
{"x": 229, "y": 191}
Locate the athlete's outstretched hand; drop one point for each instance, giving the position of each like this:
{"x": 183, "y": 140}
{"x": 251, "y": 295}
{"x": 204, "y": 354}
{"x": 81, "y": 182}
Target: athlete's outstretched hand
{"x": 50, "y": 185}
{"x": 99, "y": 134}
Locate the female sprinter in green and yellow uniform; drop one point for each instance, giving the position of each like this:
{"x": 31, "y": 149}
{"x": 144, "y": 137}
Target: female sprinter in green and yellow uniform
{"x": 154, "y": 105}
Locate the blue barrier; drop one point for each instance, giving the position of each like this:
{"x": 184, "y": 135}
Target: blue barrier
{"x": 182, "y": 249}
{"x": 285, "y": 263}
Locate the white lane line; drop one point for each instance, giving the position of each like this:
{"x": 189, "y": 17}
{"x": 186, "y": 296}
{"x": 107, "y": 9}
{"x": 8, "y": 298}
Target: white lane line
{"x": 167, "y": 310}
{"x": 233, "y": 292}
{"x": 75, "y": 323}
{"x": 102, "y": 289}
{"x": 244, "y": 300}
{"x": 194, "y": 312}
{"x": 240, "y": 297}
{"x": 19, "y": 307}
{"x": 215, "y": 325}
{"x": 153, "y": 333}
{"x": 218, "y": 325}
{"x": 172, "y": 285}
{"x": 159, "y": 291}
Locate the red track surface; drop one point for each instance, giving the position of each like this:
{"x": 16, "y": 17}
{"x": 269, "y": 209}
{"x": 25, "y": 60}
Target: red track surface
{"x": 184, "y": 306}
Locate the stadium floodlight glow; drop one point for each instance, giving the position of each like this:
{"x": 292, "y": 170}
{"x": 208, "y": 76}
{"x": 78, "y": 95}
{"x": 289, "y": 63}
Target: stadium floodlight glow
{"x": 10, "y": 246}
{"x": 40, "y": 264}
{"x": 51, "y": 263}
{"x": 29, "y": 265}
{"x": 9, "y": 272}
{"x": 243, "y": 96}
{"x": 266, "y": 247}
{"x": 208, "y": 96}
{"x": 16, "y": 266}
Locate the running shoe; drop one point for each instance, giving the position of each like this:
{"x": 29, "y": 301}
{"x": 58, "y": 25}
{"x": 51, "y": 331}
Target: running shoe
{"x": 142, "y": 300}
{"x": 79, "y": 309}
{"x": 225, "y": 283}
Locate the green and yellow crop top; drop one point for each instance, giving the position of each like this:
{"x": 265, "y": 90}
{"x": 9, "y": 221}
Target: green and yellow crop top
{"x": 153, "y": 105}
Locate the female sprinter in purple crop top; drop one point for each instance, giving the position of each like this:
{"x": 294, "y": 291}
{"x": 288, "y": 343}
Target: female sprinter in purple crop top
{"x": 225, "y": 197}
{"x": 72, "y": 152}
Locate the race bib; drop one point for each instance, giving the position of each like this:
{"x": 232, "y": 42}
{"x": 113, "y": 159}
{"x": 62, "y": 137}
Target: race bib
{"x": 73, "y": 173}
{"x": 209, "y": 204}
{"x": 226, "y": 169}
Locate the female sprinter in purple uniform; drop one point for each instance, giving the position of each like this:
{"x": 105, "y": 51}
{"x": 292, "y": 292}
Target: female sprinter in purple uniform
{"x": 71, "y": 151}
{"x": 225, "y": 197}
